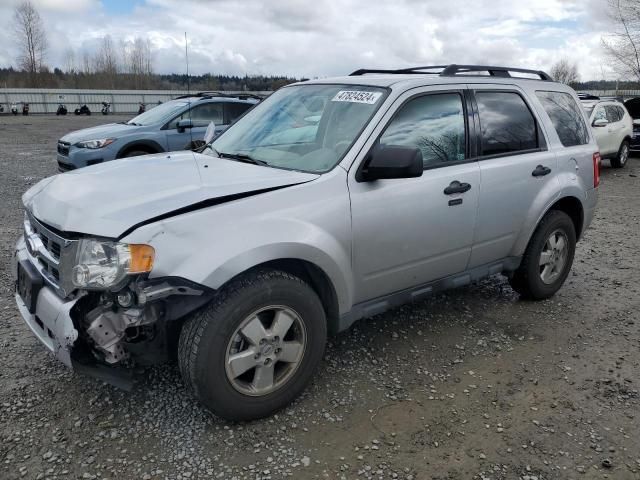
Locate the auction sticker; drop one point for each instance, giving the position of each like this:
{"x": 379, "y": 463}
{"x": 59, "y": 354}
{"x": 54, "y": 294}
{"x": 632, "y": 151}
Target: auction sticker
{"x": 357, "y": 96}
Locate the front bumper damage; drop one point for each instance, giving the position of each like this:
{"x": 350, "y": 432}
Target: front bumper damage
{"x": 91, "y": 332}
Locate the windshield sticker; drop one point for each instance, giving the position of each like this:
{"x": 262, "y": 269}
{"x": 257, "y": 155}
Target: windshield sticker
{"x": 357, "y": 96}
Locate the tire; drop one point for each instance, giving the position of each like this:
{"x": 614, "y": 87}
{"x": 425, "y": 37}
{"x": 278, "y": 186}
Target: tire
{"x": 533, "y": 280}
{"x": 207, "y": 338}
{"x": 623, "y": 155}
{"x": 134, "y": 153}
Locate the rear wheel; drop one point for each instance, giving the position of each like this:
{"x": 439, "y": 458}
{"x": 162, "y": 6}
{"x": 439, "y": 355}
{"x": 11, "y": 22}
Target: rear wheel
{"x": 623, "y": 155}
{"x": 547, "y": 259}
{"x": 254, "y": 349}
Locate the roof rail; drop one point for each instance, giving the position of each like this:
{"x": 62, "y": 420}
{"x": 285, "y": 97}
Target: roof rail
{"x": 454, "y": 70}
{"x": 212, "y": 94}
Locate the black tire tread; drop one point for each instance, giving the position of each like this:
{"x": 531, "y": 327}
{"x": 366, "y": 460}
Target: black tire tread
{"x": 193, "y": 328}
{"x": 615, "y": 162}
{"x": 521, "y": 280}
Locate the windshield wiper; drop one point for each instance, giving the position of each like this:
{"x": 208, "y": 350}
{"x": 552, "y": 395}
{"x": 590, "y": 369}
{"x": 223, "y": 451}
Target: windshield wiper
{"x": 133, "y": 123}
{"x": 243, "y": 157}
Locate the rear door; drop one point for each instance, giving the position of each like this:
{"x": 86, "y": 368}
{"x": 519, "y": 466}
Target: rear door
{"x": 515, "y": 165}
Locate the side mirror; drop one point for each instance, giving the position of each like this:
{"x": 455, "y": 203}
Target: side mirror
{"x": 210, "y": 133}
{"x": 184, "y": 124}
{"x": 392, "y": 161}
{"x": 600, "y": 122}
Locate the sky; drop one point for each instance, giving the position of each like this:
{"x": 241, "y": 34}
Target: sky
{"x": 320, "y": 38}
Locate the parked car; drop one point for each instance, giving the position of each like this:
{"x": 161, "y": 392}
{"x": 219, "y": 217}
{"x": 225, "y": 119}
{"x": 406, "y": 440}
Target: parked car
{"x": 240, "y": 260}
{"x": 613, "y": 129}
{"x": 633, "y": 107}
{"x": 170, "y": 126}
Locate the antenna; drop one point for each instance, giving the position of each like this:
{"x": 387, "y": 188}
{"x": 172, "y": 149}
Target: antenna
{"x": 186, "y": 54}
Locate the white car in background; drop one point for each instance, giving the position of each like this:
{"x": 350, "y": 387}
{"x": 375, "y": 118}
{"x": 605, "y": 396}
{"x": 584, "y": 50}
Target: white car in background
{"x": 613, "y": 129}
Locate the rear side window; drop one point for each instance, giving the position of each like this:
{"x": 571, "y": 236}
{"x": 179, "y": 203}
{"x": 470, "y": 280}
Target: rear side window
{"x": 506, "y": 122}
{"x": 235, "y": 110}
{"x": 434, "y": 124}
{"x": 566, "y": 117}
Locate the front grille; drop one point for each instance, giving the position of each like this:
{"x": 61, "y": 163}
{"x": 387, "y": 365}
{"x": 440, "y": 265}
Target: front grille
{"x": 45, "y": 245}
{"x": 63, "y": 148}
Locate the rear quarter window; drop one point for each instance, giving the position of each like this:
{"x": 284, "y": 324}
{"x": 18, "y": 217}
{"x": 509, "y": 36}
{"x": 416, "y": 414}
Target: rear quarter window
{"x": 565, "y": 116}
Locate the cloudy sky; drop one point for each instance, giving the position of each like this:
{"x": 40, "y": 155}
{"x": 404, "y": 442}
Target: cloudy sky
{"x": 317, "y": 38}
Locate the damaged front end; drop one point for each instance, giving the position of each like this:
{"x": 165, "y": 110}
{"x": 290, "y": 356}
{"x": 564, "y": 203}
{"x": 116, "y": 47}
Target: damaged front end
{"x": 135, "y": 325}
{"x": 92, "y": 303}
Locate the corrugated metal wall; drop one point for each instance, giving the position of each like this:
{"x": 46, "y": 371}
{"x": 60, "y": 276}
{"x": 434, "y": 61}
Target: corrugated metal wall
{"x": 43, "y": 100}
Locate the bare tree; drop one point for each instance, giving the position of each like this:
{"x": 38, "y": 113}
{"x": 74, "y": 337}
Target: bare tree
{"x": 138, "y": 61}
{"x": 565, "y": 72}
{"x": 70, "y": 61}
{"x": 31, "y": 37}
{"x": 106, "y": 61}
{"x": 623, "y": 45}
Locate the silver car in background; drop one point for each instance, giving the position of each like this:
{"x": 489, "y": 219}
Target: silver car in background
{"x": 331, "y": 201}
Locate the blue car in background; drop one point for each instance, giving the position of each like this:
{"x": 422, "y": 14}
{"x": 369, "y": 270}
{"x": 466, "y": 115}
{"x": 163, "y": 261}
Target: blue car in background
{"x": 174, "y": 125}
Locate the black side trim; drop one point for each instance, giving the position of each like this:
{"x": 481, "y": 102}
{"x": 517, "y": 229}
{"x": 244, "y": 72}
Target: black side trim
{"x": 211, "y": 202}
{"x": 379, "y": 305}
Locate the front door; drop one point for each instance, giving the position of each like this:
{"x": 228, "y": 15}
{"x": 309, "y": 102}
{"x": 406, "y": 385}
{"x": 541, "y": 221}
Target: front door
{"x": 201, "y": 116}
{"x": 407, "y": 232}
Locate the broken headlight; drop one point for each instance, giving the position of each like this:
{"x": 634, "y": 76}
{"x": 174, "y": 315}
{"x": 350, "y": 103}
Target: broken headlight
{"x": 104, "y": 264}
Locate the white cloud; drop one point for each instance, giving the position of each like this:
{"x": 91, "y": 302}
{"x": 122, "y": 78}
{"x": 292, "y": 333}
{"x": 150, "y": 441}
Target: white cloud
{"x": 325, "y": 37}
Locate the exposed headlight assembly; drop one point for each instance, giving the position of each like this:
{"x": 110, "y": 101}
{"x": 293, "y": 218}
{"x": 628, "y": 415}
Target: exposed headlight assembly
{"x": 101, "y": 264}
{"x": 93, "y": 144}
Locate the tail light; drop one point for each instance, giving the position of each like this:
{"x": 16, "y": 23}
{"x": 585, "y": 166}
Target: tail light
{"x": 596, "y": 169}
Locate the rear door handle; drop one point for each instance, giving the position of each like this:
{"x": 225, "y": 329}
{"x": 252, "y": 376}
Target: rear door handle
{"x": 541, "y": 171}
{"x": 457, "y": 187}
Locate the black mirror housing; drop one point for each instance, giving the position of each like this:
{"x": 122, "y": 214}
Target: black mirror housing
{"x": 392, "y": 161}
{"x": 184, "y": 124}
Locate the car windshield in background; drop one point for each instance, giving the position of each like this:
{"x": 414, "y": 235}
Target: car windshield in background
{"x": 303, "y": 127}
{"x": 158, "y": 114}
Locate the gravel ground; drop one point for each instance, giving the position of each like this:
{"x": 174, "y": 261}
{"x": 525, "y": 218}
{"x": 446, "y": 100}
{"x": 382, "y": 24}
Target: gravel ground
{"x": 473, "y": 384}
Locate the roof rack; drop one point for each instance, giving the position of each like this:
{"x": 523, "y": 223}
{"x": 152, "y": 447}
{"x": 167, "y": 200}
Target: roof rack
{"x": 454, "y": 70}
{"x": 211, "y": 94}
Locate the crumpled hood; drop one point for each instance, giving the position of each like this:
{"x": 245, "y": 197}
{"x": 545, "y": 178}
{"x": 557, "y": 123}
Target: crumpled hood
{"x": 110, "y": 130}
{"x": 108, "y": 199}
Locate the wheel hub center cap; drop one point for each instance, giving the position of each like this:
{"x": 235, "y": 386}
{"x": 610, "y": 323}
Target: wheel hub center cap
{"x": 267, "y": 349}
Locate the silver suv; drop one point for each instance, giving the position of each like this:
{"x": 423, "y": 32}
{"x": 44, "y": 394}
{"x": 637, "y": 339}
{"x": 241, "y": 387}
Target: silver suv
{"x": 331, "y": 201}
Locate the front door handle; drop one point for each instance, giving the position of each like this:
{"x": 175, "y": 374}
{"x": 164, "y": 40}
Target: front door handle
{"x": 457, "y": 187}
{"x": 541, "y": 171}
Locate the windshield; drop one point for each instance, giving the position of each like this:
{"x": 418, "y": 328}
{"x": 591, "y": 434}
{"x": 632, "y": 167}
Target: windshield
{"x": 158, "y": 114}
{"x": 304, "y": 127}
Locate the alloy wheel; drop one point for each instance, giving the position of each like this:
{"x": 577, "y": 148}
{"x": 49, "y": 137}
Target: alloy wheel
{"x": 265, "y": 350}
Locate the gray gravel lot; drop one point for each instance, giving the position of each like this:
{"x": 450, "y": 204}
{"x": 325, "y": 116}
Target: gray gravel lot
{"x": 473, "y": 384}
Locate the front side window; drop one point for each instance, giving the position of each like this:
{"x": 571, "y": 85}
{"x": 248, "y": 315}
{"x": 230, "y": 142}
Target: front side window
{"x": 434, "y": 124}
{"x": 200, "y": 115}
{"x": 600, "y": 114}
{"x": 613, "y": 113}
{"x": 303, "y": 127}
{"x": 566, "y": 117}
{"x": 506, "y": 122}
{"x": 158, "y": 114}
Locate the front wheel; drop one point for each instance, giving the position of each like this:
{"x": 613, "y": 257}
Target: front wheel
{"x": 255, "y": 347}
{"x": 623, "y": 155}
{"x": 548, "y": 257}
